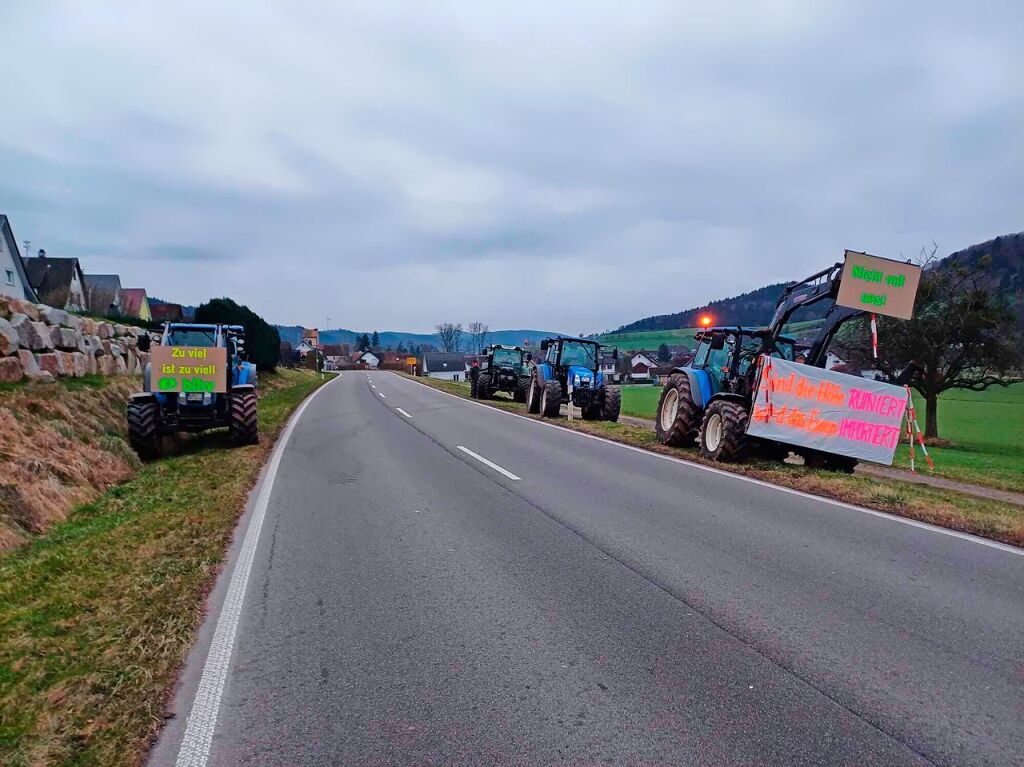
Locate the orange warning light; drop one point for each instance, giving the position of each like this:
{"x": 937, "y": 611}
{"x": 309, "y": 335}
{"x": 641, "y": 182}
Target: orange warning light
{"x": 705, "y": 321}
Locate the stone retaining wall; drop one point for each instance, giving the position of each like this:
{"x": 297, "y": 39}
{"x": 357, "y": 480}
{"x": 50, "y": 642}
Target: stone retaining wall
{"x": 40, "y": 343}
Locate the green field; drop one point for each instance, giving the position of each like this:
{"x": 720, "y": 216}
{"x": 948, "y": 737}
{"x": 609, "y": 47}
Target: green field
{"x": 640, "y": 400}
{"x": 652, "y": 339}
{"x": 986, "y": 429}
{"x": 987, "y": 432}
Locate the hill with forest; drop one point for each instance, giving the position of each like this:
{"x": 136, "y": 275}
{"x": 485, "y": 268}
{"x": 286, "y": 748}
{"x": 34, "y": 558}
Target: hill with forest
{"x": 390, "y": 339}
{"x": 1005, "y": 268}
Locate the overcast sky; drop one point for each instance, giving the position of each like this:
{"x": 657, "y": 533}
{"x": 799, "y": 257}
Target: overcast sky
{"x": 563, "y": 166}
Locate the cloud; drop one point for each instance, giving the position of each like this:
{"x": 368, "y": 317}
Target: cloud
{"x": 567, "y": 166}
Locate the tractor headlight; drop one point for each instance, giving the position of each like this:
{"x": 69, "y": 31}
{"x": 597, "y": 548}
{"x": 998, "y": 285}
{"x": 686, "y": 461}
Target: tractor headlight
{"x": 576, "y": 380}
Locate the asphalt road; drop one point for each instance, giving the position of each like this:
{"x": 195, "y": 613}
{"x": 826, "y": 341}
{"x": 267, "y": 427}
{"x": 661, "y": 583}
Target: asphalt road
{"x": 574, "y": 602}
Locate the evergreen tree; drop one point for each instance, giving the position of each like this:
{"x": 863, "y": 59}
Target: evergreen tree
{"x": 262, "y": 341}
{"x": 375, "y": 341}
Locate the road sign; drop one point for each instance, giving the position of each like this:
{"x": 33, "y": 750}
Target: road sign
{"x": 189, "y": 369}
{"x": 879, "y": 285}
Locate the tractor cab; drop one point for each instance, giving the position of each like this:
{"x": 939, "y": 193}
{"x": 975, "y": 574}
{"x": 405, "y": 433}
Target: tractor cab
{"x": 727, "y": 356}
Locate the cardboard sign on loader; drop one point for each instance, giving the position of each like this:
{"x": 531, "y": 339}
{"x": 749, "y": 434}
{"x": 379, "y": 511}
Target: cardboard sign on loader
{"x": 828, "y": 411}
{"x": 189, "y": 369}
{"x": 879, "y": 285}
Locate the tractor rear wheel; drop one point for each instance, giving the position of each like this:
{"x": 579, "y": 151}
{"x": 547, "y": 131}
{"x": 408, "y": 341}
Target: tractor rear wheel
{"x": 483, "y": 386}
{"x": 533, "y": 396}
{"x": 551, "y": 399}
{"x": 678, "y": 419}
{"x": 612, "y": 404}
{"x": 244, "y": 422}
{"x": 723, "y": 433}
{"x": 143, "y": 434}
{"x": 522, "y": 388}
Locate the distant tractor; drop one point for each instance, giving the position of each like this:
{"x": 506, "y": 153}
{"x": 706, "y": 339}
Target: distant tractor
{"x": 154, "y": 413}
{"x": 571, "y": 373}
{"x": 708, "y": 401}
{"x": 504, "y": 369}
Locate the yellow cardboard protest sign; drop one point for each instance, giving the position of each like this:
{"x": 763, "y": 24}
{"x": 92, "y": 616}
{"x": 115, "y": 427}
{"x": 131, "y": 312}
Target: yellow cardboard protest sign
{"x": 879, "y": 285}
{"x": 189, "y": 369}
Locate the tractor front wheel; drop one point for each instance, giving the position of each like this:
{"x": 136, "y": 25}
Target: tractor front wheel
{"x": 533, "y": 396}
{"x": 522, "y": 389}
{"x": 551, "y": 399}
{"x": 723, "y": 434}
{"x": 612, "y": 404}
{"x": 244, "y": 423}
{"x": 678, "y": 418}
{"x": 483, "y": 386}
{"x": 143, "y": 434}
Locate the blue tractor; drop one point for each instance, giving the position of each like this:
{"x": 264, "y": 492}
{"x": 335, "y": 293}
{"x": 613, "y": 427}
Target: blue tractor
{"x": 570, "y": 372}
{"x": 153, "y": 414}
{"x": 708, "y": 401}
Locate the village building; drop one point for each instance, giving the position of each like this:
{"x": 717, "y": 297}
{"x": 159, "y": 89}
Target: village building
{"x": 103, "y": 294}
{"x": 135, "y": 304}
{"x": 58, "y": 282}
{"x": 14, "y": 280}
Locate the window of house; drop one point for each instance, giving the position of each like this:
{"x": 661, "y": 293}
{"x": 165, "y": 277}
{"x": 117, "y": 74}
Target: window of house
{"x": 10, "y": 276}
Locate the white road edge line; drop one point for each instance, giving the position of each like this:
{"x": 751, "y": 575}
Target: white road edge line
{"x": 485, "y": 462}
{"x": 827, "y": 501}
{"x": 403, "y": 412}
{"x": 194, "y": 750}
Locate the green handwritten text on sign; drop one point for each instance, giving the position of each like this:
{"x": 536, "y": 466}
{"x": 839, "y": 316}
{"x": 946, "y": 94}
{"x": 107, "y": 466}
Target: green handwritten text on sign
{"x": 879, "y": 285}
{"x": 189, "y": 369}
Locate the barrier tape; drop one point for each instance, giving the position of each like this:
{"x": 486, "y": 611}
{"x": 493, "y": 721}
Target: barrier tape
{"x": 912, "y": 418}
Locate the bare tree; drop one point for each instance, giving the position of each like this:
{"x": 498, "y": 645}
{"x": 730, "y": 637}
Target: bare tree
{"x": 450, "y": 334}
{"x": 478, "y": 332}
{"x": 962, "y": 335}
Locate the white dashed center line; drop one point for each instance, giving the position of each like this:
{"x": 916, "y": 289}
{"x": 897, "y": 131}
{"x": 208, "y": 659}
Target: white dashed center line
{"x": 485, "y": 462}
{"x": 403, "y": 412}
{"x": 382, "y": 396}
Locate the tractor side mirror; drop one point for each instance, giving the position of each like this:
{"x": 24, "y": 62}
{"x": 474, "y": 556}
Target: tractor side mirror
{"x": 615, "y": 354}
{"x": 717, "y": 340}
{"x": 544, "y": 345}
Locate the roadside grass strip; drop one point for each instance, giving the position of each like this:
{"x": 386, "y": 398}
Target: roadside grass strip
{"x": 97, "y": 616}
{"x": 986, "y": 518}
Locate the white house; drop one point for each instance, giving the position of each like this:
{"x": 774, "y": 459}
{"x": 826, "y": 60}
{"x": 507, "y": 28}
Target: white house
{"x": 641, "y": 366}
{"x": 370, "y": 359}
{"x": 608, "y": 367}
{"x": 14, "y": 281}
{"x": 446, "y": 365}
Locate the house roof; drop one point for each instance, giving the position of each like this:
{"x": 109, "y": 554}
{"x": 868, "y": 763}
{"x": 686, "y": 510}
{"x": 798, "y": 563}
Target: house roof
{"x": 333, "y": 350}
{"x": 443, "y": 362}
{"x": 166, "y": 312}
{"x": 12, "y": 245}
{"x": 131, "y": 301}
{"x": 102, "y": 291}
{"x": 51, "y": 278}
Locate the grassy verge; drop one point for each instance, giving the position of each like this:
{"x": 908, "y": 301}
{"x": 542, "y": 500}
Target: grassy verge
{"x": 983, "y": 428}
{"x": 97, "y": 615}
{"x": 990, "y": 519}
